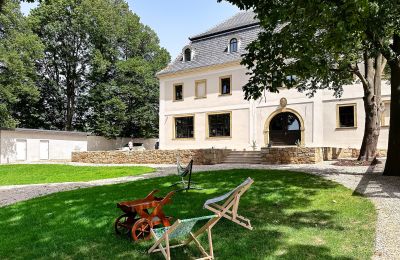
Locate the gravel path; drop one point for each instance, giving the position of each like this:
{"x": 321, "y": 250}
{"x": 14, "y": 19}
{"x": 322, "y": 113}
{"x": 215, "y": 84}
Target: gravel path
{"x": 382, "y": 190}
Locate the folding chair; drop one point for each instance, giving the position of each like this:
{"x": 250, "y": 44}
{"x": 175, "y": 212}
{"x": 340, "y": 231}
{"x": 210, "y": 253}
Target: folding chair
{"x": 181, "y": 229}
{"x": 183, "y": 172}
{"x": 230, "y": 207}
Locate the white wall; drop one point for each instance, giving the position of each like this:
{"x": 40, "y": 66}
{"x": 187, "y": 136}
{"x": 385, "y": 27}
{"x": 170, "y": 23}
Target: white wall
{"x": 60, "y": 145}
{"x": 234, "y": 103}
{"x": 99, "y": 143}
{"x": 249, "y": 118}
{"x": 240, "y": 133}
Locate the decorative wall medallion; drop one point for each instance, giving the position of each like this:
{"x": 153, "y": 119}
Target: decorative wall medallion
{"x": 283, "y": 102}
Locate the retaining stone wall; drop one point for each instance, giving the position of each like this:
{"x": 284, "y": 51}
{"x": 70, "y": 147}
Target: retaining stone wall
{"x": 292, "y": 155}
{"x": 200, "y": 156}
{"x": 331, "y": 153}
{"x": 309, "y": 155}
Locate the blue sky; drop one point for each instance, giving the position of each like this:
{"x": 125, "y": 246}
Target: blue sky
{"x": 176, "y": 20}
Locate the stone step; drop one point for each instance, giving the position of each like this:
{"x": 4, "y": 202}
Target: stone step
{"x": 245, "y": 152}
{"x": 243, "y": 157}
{"x": 230, "y": 160}
{"x": 241, "y": 162}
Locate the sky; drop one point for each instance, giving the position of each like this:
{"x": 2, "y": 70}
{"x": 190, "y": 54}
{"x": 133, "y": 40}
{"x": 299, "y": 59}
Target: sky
{"x": 176, "y": 20}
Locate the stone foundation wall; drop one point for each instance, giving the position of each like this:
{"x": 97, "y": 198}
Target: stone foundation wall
{"x": 292, "y": 155}
{"x": 309, "y": 155}
{"x": 200, "y": 156}
{"x": 331, "y": 153}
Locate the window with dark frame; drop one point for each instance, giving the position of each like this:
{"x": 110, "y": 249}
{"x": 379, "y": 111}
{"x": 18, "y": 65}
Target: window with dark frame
{"x": 178, "y": 92}
{"x": 346, "y": 116}
{"x": 233, "y": 45}
{"x": 219, "y": 125}
{"x": 184, "y": 127}
{"x": 188, "y": 54}
{"x": 225, "y": 86}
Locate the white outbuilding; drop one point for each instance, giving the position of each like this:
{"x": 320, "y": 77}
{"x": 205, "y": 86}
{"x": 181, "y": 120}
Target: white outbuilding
{"x": 33, "y": 145}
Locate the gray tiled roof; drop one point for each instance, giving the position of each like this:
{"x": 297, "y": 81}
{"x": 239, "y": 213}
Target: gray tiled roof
{"x": 239, "y": 20}
{"x": 210, "y": 48}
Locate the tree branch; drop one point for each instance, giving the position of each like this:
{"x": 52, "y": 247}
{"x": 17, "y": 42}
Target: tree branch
{"x": 358, "y": 73}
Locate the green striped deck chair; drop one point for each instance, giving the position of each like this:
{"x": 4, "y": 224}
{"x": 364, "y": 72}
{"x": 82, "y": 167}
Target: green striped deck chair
{"x": 181, "y": 231}
{"x": 230, "y": 204}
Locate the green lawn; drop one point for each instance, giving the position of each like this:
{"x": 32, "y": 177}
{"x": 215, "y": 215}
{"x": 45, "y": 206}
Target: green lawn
{"x": 294, "y": 215}
{"x": 50, "y": 173}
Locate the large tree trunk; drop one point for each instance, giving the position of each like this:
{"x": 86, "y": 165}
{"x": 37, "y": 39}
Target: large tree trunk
{"x": 372, "y": 129}
{"x": 392, "y": 167}
{"x": 372, "y": 106}
{"x": 2, "y": 3}
{"x": 70, "y": 103}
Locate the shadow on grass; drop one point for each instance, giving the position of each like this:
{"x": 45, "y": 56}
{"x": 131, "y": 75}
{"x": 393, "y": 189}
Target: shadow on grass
{"x": 292, "y": 214}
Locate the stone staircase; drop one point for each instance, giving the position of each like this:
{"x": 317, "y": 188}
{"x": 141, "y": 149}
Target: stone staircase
{"x": 243, "y": 157}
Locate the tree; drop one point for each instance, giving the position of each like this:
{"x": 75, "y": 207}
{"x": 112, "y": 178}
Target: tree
{"x": 125, "y": 66}
{"x": 65, "y": 66}
{"x": 323, "y": 43}
{"x": 3, "y": 2}
{"x": 384, "y": 34}
{"x": 90, "y": 45}
{"x": 19, "y": 49}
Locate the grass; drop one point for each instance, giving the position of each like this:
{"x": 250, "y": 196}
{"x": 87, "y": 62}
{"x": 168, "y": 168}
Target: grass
{"x": 51, "y": 173}
{"x": 294, "y": 215}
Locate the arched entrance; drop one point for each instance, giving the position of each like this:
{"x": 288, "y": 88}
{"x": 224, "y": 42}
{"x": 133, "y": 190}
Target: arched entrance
{"x": 284, "y": 127}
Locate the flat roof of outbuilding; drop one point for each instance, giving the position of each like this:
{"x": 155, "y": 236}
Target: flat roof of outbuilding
{"x": 28, "y": 130}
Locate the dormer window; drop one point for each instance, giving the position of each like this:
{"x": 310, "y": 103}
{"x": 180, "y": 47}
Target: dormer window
{"x": 188, "y": 54}
{"x": 233, "y": 45}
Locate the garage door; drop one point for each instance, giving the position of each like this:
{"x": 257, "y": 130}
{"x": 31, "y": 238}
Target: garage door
{"x": 44, "y": 150}
{"x": 21, "y": 150}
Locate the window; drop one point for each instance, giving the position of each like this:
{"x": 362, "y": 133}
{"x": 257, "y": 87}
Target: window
{"x": 347, "y": 116}
{"x": 184, "y": 127}
{"x": 233, "y": 45}
{"x": 219, "y": 125}
{"x": 188, "y": 54}
{"x": 178, "y": 92}
{"x": 225, "y": 85}
{"x": 386, "y": 114}
{"x": 201, "y": 89}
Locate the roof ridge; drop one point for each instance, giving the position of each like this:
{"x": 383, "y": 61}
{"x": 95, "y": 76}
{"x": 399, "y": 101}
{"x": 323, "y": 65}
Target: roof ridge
{"x": 220, "y": 23}
{"x": 213, "y": 30}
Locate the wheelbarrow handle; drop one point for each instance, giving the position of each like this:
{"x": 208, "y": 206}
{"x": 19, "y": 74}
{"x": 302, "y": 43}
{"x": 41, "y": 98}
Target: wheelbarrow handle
{"x": 151, "y": 194}
{"x": 167, "y": 197}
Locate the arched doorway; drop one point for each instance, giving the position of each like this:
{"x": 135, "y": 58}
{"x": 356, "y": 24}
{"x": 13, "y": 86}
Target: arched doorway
{"x": 285, "y": 128}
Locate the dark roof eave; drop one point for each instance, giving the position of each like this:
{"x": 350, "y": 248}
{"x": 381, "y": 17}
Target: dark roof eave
{"x": 164, "y": 73}
{"x": 195, "y": 38}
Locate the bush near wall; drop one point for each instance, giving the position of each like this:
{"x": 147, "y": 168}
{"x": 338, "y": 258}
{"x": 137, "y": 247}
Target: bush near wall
{"x": 200, "y": 156}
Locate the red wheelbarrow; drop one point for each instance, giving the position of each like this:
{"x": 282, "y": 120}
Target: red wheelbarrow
{"x": 141, "y": 215}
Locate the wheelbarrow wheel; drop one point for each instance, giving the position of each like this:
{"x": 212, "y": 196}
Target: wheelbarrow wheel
{"x": 141, "y": 229}
{"x": 123, "y": 223}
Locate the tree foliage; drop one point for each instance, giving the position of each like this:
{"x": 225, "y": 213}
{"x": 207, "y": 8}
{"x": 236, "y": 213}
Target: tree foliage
{"x": 19, "y": 49}
{"x": 98, "y": 71}
{"x": 323, "y": 43}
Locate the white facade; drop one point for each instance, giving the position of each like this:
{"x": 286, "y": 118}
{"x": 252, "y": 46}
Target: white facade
{"x": 249, "y": 120}
{"x": 202, "y": 103}
{"x": 100, "y": 143}
{"x": 29, "y": 145}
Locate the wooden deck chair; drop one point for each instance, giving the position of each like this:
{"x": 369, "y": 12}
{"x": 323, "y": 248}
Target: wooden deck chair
{"x": 184, "y": 172}
{"x": 181, "y": 231}
{"x": 229, "y": 209}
